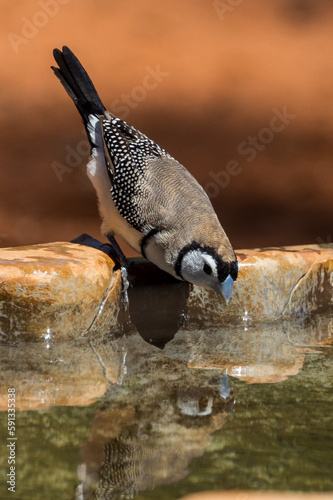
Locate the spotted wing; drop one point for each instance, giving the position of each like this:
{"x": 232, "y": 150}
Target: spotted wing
{"x": 127, "y": 152}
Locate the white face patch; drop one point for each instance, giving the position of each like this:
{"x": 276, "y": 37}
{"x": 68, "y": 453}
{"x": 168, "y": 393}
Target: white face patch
{"x": 199, "y": 268}
{"x": 211, "y": 263}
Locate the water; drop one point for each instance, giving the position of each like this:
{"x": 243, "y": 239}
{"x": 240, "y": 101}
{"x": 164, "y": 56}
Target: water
{"x": 239, "y": 407}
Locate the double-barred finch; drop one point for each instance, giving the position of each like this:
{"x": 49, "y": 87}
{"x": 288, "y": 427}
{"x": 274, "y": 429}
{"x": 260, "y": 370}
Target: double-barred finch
{"x": 146, "y": 196}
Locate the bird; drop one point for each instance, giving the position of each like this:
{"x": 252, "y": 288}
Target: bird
{"x": 145, "y": 195}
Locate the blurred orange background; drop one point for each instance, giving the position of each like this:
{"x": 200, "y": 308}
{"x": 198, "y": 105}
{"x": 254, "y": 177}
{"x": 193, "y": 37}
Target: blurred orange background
{"x": 240, "y": 92}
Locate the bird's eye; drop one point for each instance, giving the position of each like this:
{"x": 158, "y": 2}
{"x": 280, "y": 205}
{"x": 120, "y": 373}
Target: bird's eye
{"x": 207, "y": 269}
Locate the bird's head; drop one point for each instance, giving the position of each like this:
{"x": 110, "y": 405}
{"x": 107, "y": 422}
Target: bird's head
{"x": 204, "y": 266}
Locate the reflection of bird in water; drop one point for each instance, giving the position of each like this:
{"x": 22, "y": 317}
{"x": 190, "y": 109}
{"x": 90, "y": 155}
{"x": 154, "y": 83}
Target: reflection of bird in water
{"x": 138, "y": 463}
{"x": 195, "y": 403}
{"x": 156, "y": 454}
{"x": 119, "y": 472}
{"x": 203, "y": 402}
{"x": 144, "y": 458}
{"x": 224, "y": 385}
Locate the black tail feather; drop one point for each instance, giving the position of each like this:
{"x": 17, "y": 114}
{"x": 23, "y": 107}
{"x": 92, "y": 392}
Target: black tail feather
{"x": 77, "y": 83}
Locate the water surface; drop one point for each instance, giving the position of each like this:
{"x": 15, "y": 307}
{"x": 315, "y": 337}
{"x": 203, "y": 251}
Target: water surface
{"x": 238, "y": 407}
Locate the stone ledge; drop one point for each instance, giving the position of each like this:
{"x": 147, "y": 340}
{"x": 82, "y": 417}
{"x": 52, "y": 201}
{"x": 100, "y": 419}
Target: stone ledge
{"x": 56, "y": 290}
{"x": 272, "y": 284}
{"x": 68, "y": 290}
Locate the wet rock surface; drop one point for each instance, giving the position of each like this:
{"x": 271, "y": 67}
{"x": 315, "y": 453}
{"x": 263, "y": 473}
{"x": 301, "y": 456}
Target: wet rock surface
{"x": 53, "y": 373}
{"x": 56, "y": 290}
{"x": 68, "y": 291}
{"x": 272, "y": 283}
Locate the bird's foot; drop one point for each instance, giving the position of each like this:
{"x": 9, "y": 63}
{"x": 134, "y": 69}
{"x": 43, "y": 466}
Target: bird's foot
{"x": 121, "y": 262}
